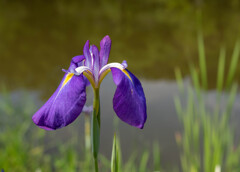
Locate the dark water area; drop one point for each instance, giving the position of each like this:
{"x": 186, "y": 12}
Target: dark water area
{"x": 39, "y": 38}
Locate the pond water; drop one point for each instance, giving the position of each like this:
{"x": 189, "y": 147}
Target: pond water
{"x": 39, "y": 38}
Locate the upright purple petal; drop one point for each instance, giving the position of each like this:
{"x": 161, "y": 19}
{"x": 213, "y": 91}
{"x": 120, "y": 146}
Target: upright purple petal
{"x": 105, "y": 46}
{"x": 87, "y": 55}
{"x": 129, "y": 101}
{"x": 77, "y": 59}
{"x": 64, "y": 106}
{"x": 95, "y": 54}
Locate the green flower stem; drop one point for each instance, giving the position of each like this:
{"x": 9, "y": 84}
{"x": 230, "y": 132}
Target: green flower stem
{"x": 95, "y": 127}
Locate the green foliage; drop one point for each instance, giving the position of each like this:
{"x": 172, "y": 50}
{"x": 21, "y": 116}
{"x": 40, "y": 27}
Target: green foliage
{"x": 19, "y": 146}
{"x": 115, "y": 156}
{"x": 68, "y": 161}
{"x": 132, "y": 163}
{"x": 144, "y": 161}
{"x": 233, "y": 65}
{"x": 208, "y": 129}
{"x": 156, "y": 157}
{"x": 22, "y": 144}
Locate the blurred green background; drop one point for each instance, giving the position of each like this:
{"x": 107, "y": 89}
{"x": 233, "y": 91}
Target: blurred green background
{"x": 38, "y": 38}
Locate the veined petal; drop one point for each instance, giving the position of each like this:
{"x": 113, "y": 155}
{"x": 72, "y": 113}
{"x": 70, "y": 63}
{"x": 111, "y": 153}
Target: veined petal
{"x": 129, "y": 101}
{"x": 64, "y": 106}
{"x": 105, "y": 46}
{"x": 87, "y": 55}
{"x": 95, "y": 54}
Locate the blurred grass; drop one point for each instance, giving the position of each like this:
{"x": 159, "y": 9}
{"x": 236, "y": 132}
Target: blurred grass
{"x": 18, "y": 143}
{"x": 207, "y": 140}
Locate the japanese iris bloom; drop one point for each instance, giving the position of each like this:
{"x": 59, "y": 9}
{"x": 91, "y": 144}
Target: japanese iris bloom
{"x": 67, "y": 102}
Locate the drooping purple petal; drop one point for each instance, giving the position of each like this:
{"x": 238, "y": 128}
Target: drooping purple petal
{"x": 64, "y": 106}
{"x": 129, "y": 101}
{"x": 87, "y": 55}
{"x": 105, "y": 46}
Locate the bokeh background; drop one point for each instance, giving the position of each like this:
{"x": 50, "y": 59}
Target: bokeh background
{"x": 38, "y": 38}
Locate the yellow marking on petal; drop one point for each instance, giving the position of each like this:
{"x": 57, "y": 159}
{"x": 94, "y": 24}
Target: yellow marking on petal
{"x": 68, "y": 77}
{"x": 102, "y": 76}
{"x": 126, "y": 73}
{"x": 90, "y": 78}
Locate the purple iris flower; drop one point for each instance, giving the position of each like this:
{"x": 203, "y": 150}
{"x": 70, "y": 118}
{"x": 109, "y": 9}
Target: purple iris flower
{"x": 67, "y": 102}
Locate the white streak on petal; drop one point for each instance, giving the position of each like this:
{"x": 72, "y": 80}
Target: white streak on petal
{"x": 81, "y": 69}
{"x": 110, "y": 65}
